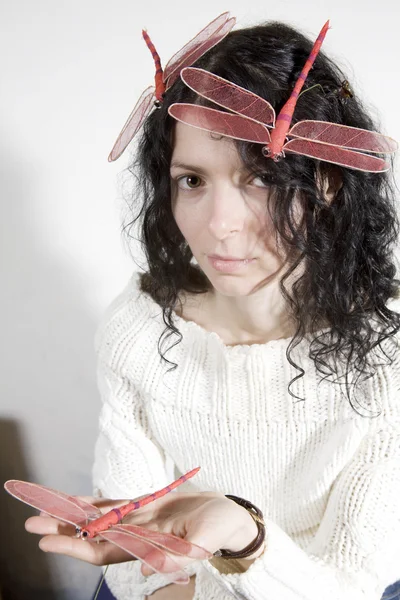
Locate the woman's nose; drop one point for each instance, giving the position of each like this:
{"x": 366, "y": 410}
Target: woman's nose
{"x": 227, "y": 211}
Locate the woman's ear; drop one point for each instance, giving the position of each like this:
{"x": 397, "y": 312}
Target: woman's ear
{"x": 329, "y": 183}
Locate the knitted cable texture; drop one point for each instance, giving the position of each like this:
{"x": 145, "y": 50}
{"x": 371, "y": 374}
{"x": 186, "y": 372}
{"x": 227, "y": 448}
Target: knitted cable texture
{"x": 326, "y": 479}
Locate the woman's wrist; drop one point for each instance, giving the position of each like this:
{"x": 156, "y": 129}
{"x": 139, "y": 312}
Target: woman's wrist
{"x": 248, "y": 534}
{"x": 247, "y": 542}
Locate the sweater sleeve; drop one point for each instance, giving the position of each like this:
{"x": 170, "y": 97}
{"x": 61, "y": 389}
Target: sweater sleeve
{"x": 355, "y": 553}
{"x": 128, "y": 461}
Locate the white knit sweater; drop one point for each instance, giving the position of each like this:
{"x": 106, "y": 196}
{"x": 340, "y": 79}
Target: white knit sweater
{"x": 326, "y": 479}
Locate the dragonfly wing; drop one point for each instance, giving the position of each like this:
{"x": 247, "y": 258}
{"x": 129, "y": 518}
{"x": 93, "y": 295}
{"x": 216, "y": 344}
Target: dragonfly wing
{"x": 133, "y": 123}
{"x": 229, "y": 95}
{"x": 141, "y": 549}
{"x": 222, "y": 123}
{"x": 167, "y": 541}
{"x": 208, "y": 37}
{"x": 336, "y": 155}
{"x": 56, "y": 504}
{"x": 342, "y": 135}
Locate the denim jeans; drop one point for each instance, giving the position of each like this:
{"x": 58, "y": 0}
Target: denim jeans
{"x": 105, "y": 593}
{"x": 391, "y": 593}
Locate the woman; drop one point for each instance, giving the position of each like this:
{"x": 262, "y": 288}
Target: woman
{"x": 260, "y": 343}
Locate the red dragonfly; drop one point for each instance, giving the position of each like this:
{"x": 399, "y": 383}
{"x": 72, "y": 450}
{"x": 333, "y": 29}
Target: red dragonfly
{"x": 254, "y": 116}
{"x": 91, "y": 524}
{"x": 208, "y": 37}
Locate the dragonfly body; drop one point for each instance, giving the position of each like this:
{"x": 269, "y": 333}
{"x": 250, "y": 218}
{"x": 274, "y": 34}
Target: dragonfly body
{"x": 274, "y": 149}
{"x": 115, "y": 515}
{"x": 159, "y": 75}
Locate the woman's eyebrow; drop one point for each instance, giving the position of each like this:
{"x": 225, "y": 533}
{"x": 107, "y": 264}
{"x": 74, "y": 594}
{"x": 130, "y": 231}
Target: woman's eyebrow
{"x": 175, "y": 164}
{"x": 179, "y": 165}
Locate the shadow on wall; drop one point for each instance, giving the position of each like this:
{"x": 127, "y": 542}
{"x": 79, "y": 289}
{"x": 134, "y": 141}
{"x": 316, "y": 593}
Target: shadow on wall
{"x": 49, "y": 401}
{"x": 31, "y": 561}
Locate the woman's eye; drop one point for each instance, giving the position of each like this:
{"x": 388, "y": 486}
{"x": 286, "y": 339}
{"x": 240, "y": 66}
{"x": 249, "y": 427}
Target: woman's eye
{"x": 261, "y": 181}
{"x": 189, "y": 182}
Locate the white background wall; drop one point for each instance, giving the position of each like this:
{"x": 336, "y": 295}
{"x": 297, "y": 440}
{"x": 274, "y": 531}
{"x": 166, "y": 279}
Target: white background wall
{"x": 70, "y": 75}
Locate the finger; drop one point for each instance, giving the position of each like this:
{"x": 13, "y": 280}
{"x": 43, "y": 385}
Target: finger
{"x": 158, "y": 561}
{"x": 200, "y": 537}
{"x": 104, "y": 504}
{"x": 163, "y": 562}
{"x": 96, "y": 553}
{"x": 48, "y": 525}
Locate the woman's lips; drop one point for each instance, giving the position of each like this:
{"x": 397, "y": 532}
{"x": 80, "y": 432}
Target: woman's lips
{"x": 229, "y": 265}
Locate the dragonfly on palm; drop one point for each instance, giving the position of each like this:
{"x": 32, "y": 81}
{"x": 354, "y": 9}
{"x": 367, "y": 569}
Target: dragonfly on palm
{"x": 151, "y": 547}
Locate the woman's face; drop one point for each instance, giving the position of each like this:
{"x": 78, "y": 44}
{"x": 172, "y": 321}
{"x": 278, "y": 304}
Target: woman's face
{"x": 221, "y": 210}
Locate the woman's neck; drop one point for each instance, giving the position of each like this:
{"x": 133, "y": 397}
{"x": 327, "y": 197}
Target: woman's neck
{"x": 255, "y": 319}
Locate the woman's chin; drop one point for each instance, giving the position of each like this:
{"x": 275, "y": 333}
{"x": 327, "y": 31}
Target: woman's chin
{"x": 231, "y": 285}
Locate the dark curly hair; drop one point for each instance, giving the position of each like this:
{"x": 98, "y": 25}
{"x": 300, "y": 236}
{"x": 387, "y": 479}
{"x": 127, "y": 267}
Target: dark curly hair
{"x": 345, "y": 247}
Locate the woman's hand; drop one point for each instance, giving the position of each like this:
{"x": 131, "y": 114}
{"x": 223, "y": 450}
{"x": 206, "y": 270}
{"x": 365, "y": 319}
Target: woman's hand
{"x": 207, "y": 519}
{"x": 60, "y": 537}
